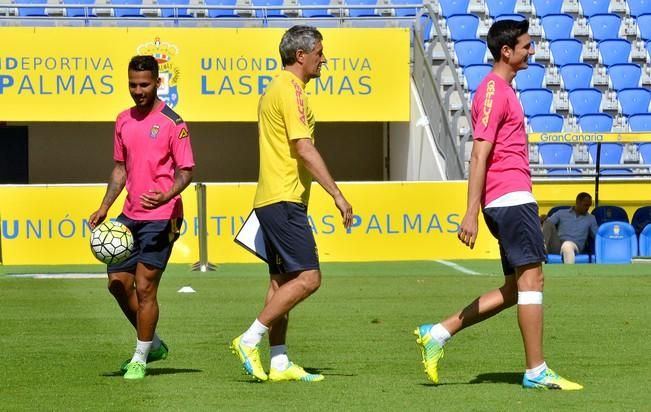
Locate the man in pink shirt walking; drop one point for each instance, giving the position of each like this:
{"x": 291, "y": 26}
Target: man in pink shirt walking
{"x": 500, "y": 184}
{"x": 153, "y": 159}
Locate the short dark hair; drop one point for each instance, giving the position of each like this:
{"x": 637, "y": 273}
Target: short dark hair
{"x": 144, "y": 64}
{"x": 582, "y": 196}
{"x": 297, "y": 37}
{"x": 505, "y": 33}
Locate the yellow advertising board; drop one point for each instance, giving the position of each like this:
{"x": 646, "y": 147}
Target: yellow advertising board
{"x": 583, "y": 137}
{"x": 208, "y": 74}
{"x": 393, "y": 221}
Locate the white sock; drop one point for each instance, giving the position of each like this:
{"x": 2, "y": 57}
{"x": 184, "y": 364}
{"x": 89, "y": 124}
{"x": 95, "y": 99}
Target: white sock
{"x": 142, "y": 350}
{"x": 439, "y": 333}
{"x": 254, "y": 334}
{"x": 532, "y": 373}
{"x": 155, "y": 343}
{"x": 279, "y": 359}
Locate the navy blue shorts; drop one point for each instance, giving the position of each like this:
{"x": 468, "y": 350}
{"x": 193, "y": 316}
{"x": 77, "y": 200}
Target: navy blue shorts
{"x": 288, "y": 238}
{"x": 153, "y": 240}
{"x": 518, "y": 232}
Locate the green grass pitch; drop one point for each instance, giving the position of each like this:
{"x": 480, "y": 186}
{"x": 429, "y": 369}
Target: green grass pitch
{"x": 62, "y": 341}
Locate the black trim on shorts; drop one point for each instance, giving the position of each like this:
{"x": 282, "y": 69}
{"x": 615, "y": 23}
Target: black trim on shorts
{"x": 519, "y": 234}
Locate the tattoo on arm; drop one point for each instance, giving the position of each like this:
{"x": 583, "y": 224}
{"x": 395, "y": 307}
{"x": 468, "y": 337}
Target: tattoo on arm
{"x": 182, "y": 179}
{"x": 115, "y": 185}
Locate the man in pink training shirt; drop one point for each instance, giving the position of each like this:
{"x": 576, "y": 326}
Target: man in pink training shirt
{"x": 153, "y": 158}
{"x": 500, "y": 183}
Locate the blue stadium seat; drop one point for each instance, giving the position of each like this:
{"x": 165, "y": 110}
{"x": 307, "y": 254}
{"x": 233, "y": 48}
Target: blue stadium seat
{"x": 470, "y": 52}
{"x": 619, "y": 172}
{"x": 591, "y": 7}
{"x": 31, "y": 11}
{"x": 605, "y": 26}
{"x": 450, "y": 7}
{"x": 634, "y": 100}
{"x": 641, "y": 218}
{"x": 614, "y": 51}
{"x": 497, "y": 7}
{"x": 640, "y": 122}
{"x": 79, "y": 11}
{"x": 406, "y": 11}
{"x": 546, "y": 123}
{"x": 545, "y": 7}
{"x": 585, "y": 101}
{"x": 616, "y": 243}
{"x": 127, "y": 12}
{"x": 260, "y": 13}
{"x": 566, "y": 51}
{"x": 178, "y": 10}
{"x": 531, "y": 78}
{"x": 226, "y": 12}
{"x": 624, "y": 76}
{"x": 565, "y": 172}
{"x": 555, "y": 153}
{"x": 557, "y": 26}
{"x": 607, "y": 213}
{"x": 556, "y": 209}
{"x": 474, "y": 74}
{"x": 576, "y": 76}
{"x": 536, "y": 101}
{"x": 462, "y": 26}
{"x": 596, "y": 123}
{"x": 320, "y": 12}
{"x": 645, "y": 152}
{"x": 645, "y": 241}
{"x": 365, "y": 12}
{"x": 644, "y": 26}
{"x": 510, "y": 16}
{"x": 611, "y": 153}
{"x": 638, "y": 7}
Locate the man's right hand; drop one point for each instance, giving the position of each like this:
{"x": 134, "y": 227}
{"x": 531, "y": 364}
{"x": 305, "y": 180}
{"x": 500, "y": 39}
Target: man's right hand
{"x": 96, "y": 218}
{"x": 468, "y": 230}
{"x": 346, "y": 210}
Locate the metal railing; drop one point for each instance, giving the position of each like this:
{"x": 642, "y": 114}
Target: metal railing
{"x": 261, "y": 16}
{"x": 428, "y": 81}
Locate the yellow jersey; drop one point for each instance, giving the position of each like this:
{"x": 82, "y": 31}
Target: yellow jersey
{"x": 283, "y": 115}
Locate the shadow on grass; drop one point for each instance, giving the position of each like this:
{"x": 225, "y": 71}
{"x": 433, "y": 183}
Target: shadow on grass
{"x": 250, "y": 379}
{"x": 512, "y": 378}
{"x": 156, "y": 371}
{"x": 320, "y": 370}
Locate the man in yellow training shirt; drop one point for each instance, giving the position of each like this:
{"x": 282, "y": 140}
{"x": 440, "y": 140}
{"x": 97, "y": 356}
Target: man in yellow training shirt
{"x": 288, "y": 162}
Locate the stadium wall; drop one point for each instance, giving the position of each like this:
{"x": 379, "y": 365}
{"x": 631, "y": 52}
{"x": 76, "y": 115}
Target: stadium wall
{"x": 64, "y": 152}
{"x": 394, "y": 220}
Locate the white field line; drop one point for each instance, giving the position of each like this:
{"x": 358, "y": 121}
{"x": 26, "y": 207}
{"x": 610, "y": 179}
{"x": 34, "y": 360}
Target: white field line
{"x": 457, "y": 267}
{"x": 60, "y": 275}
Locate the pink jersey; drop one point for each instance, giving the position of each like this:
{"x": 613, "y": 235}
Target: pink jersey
{"x": 152, "y": 148}
{"x": 497, "y": 117}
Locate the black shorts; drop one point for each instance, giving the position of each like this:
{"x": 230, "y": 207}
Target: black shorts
{"x": 153, "y": 240}
{"x": 518, "y": 232}
{"x": 288, "y": 238}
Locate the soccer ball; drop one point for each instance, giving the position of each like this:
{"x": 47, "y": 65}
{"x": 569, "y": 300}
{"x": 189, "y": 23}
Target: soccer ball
{"x": 111, "y": 242}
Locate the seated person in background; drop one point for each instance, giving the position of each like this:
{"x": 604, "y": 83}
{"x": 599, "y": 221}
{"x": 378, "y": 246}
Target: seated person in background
{"x": 567, "y": 230}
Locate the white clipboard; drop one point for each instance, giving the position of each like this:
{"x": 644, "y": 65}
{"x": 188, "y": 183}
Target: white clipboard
{"x": 250, "y": 237}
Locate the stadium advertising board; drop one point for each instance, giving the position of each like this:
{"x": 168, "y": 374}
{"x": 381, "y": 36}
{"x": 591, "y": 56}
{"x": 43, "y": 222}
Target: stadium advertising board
{"x": 584, "y": 137}
{"x": 393, "y": 221}
{"x": 217, "y": 74}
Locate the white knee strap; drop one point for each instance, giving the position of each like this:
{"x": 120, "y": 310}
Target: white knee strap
{"x": 530, "y": 298}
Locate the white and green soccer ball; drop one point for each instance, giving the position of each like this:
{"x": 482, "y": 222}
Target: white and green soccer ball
{"x": 111, "y": 242}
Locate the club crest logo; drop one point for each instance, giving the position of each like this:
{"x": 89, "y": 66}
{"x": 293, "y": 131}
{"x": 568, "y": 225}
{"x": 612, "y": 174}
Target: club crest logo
{"x": 168, "y": 69}
{"x": 153, "y": 133}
